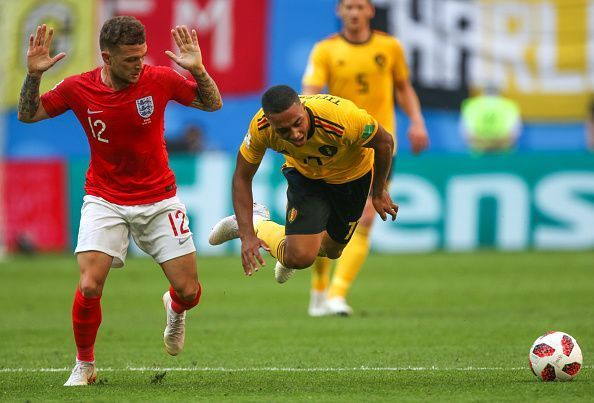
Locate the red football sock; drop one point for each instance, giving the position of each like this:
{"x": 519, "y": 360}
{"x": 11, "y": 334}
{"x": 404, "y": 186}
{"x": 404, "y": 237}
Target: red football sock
{"x": 179, "y": 305}
{"x": 86, "y": 318}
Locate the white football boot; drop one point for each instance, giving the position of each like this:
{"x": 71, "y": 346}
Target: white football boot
{"x": 338, "y": 306}
{"x": 175, "y": 329}
{"x": 318, "y": 304}
{"x": 227, "y": 228}
{"x": 281, "y": 273}
{"x": 83, "y": 374}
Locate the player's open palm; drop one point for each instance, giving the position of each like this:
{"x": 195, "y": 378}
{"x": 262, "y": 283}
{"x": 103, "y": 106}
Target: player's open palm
{"x": 251, "y": 258}
{"x": 190, "y": 56}
{"x": 38, "y": 56}
{"x": 384, "y": 205}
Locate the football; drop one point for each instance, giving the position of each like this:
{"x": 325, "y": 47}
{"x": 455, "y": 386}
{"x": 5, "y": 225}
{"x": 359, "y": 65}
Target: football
{"x": 555, "y": 356}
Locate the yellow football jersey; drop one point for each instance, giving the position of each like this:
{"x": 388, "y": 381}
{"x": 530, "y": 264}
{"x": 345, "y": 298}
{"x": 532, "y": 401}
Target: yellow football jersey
{"x": 364, "y": 73}
{"x": 334, "y": 150}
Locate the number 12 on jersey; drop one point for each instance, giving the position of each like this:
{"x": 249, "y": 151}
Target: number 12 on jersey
{"x": 101, "y": 126}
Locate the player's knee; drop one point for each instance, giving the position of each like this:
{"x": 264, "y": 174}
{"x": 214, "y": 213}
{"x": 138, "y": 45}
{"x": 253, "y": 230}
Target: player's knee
{"x": 187, "y": 296}
{"x": 189, "y": 292}
{"x": 298, "y": 264}
{"x": 299, "y": 260}
{"x": 89, "y": 287}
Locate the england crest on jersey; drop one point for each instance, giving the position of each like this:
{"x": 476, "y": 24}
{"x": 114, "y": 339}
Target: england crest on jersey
{"x": 145, "y": 106}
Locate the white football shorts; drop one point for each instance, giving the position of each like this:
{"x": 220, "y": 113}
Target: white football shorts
{"x": 160, "y": 229}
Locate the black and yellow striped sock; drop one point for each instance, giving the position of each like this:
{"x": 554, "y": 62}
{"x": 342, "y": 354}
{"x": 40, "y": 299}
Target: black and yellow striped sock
{"x": 274, "y": 236}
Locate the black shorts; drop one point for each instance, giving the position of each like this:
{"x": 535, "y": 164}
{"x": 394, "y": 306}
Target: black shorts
{"x": 314, "y": 206}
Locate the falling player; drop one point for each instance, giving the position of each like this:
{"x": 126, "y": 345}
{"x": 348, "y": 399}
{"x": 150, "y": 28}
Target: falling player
{"x": 334, "y": 152}
{"x": 367, "y": 67}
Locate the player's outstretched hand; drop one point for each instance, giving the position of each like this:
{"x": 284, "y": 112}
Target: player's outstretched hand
{"x": 251, "y": 259}
{"x": 384, "y": 205}
{"x": 38, "y": 58}
{"x": 190, "y": 55}
{"x": 418, "y": 137}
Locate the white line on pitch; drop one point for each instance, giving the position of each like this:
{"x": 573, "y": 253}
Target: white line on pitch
{"x": 278, "y": 369}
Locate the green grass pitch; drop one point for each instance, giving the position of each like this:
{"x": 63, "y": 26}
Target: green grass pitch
{"x": 434, "y": 327}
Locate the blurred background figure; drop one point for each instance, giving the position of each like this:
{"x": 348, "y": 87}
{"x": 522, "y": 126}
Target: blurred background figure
{"x": 191, "y": 141}
{"x": 490, "y": 122}
{"x": 25, "y": 244}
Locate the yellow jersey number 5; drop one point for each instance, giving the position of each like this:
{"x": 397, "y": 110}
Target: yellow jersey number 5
{"x": 361, "y": 79}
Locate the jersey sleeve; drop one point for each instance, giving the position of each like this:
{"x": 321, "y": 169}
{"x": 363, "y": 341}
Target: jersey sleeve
{"x": 57, "y": 101}
{"x": 253, "y": 146}
{"x": 316, "y": 72}
{"x": 400, "y": 67}
{"x": 182, "y": 89}
{"x": 361, "y": 127}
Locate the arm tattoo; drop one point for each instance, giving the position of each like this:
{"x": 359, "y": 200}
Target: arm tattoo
{"x": 29, "y": 99}
{"x": 208, "y": 97}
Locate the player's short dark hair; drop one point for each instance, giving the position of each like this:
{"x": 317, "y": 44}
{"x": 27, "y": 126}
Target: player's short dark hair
{"x": 121, "y": 30}
{"x": 278, "y": 99}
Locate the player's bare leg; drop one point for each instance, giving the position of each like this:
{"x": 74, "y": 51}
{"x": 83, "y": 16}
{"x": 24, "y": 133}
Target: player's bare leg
{"x": 294, "y": 253}
{"x": 301, "y": 251}
{"x": 86, "y": 314}
{"x": 330, "y": 248}
{"x": 183, "y": 295}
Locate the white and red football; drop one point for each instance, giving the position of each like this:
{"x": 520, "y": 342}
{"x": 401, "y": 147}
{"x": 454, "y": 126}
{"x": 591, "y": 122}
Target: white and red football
{"x": 555, "y": 356}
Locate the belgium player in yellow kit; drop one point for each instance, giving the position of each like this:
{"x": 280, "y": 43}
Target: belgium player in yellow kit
{"x": 369, "y": 68}
{"x": 335, "y": 154}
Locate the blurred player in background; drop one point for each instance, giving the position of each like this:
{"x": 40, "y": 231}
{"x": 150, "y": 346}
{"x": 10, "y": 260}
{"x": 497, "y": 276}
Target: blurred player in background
{"x": 490, "y": 122}
{"x": 367, "y": 67}
{"x": 330, "y": 147}
{"x": 129, "y": 185}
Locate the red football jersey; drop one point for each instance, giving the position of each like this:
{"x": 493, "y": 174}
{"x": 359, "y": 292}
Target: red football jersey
{"x": 125, "y": 130}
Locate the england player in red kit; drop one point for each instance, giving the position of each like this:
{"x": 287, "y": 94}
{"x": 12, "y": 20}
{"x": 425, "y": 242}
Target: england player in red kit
{"x": 129, "y": 187}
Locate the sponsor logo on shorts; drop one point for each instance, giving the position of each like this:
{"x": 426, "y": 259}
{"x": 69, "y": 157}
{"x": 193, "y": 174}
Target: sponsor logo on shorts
{"x": 292, "y": 215}
{"x": 184, "y": 240}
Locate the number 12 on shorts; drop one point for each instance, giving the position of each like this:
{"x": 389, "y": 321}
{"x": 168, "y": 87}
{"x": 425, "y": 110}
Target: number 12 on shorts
{"x": 177, "y": 223}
